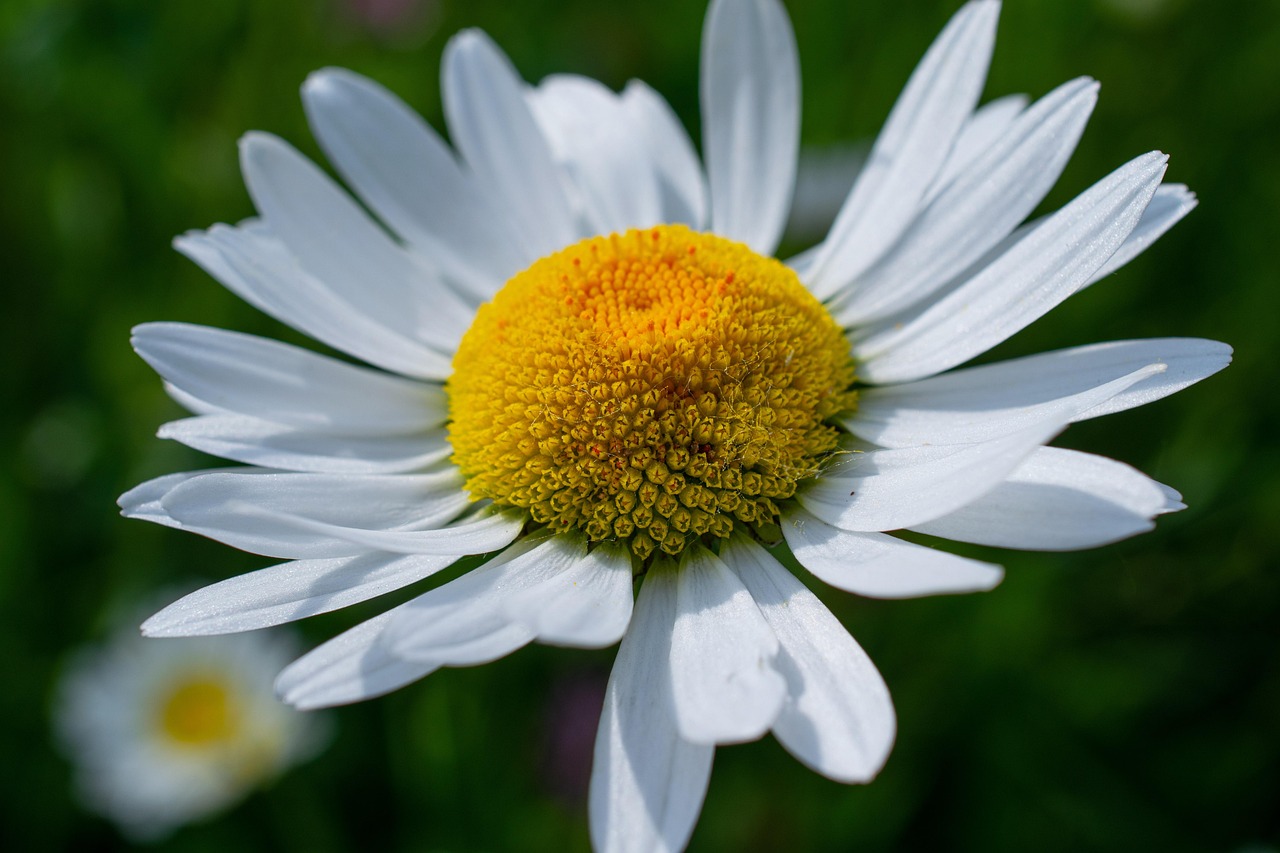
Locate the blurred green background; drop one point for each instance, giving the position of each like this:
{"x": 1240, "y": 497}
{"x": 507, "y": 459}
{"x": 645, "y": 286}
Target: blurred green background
{"x": 1121, "y": 699}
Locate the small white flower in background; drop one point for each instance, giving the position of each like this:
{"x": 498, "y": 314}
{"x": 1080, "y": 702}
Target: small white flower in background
{"x": 161, "y": 734}
{"x": 587, "y": 365}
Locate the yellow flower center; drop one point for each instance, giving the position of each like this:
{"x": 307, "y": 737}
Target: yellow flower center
{"x": 652, "y": 387}
{"x": 199, "y": 712}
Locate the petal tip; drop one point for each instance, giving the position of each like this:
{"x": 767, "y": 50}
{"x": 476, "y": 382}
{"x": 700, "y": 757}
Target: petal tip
{"x": 325, "y": 80}
{"x": 259, "y": 151}
{"x": 153, "y": 627}
{"x": 467, "y": 40}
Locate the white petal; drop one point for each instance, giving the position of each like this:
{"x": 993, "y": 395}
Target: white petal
{"x": 489, "y": 637}
{"x": 143, "y": 500}
{"x": 1059, "y": 500}
{"x": 983, "y": 204}
{"x": 588, "y": 605}
{"x": 750, "y": 118}
{"x": 905, "y": 427}
{"x": 838, "y": 718}
{"x": 351, "y": 667}
{"x": 725, "y": 687}
{"x": 1170, "y": 203}
{"x": 682, "y": 186}
{"x": 298, "y": 589}
{"x": 892, "y": 489}
{"x": 370, "y": 135}
{"x": 1039, "y": 271}
{"x": 376, "y": 502}
{"x": 878, "y": 565}
{"x": 332, "y": 515}
{"x": 911, "y": 149}
{"x": 289, "y": 591}
{"x": 647, "y": 783}
{"x": 281, "y": 383}
{"x": 451, "y": 623}
{"x": 602, "y": 150}
{"x": 923, "y": 411}
{"x": 494, "y": 130}
{"x": 981, "y": 130}
{"x": 255, "y": 265}
{"x": 190, "y": 403}
{"x": 477, "y": 616}
{"x": 270, "y": 445}
{"x": 335, "y": 241}
{"x": 1173, "y": 498}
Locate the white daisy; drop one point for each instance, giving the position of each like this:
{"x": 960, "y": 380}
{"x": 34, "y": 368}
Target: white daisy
{"x": 162, "y": 734}
{"x": 587, "y": 364}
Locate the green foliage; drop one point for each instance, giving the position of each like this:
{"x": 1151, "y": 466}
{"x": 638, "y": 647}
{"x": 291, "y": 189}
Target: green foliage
{"x": 1121, "y": 699}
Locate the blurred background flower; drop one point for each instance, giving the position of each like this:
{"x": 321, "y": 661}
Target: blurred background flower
{"x": 164, "y": 733}
{"x": 1122, "y": 699}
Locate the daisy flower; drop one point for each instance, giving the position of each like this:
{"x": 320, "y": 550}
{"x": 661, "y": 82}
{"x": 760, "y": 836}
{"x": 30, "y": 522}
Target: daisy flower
{"x": 162, "y": 734}
{"x": 586, "y": 365}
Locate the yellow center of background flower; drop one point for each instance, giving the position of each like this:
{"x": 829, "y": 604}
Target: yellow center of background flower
{"x": 199, "y": 712}
{"x": 651, "y": 387}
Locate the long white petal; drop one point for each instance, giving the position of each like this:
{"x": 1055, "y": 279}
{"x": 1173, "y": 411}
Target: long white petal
{"x": 878, "y": 565}
{"x": 723, "y": 681}
{"x": 996, "y": 192}
{"x": 980, "y": 131}
{"x": 143, "y": 500}
{"x": 295, "y": 590}
{"x": 919, "y": 412}
{"x": 909, "y": 428}
{"x": 370, "y": 135}
{"x": 838, "y": 718}
{"x": 289, "y": 591}
{"x": 351, "y": 667}
{"x": 750, "y": 118}
{"x": 481, "y": 613}
{"x": 602, "y": 150}
{"x": 372, "y": 501}
{"x": 682, "y": 185}
{"x": 1170, "y": 203}
{"x": 270, "y": 445}
{"x": 588, "y": 605}
{"x": 284, "y": 516}
{"x": 451, "y": 623}
{"x": 911, "y": 149}
{"x": 1059, "y": 500}
{"x": 495, "y": 132}
{"x": 292, "y": 515}
{"x": 336, "y": 241}
{"x": 285, "y": 384}
{"x": 1037, "y": 273}
{"x": 252, "y": 263}
{"x": 647, "y": 783}
{"x": 892, "y": 489}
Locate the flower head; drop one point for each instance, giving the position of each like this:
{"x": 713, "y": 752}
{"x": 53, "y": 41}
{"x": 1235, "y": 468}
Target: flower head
{"x": 650, "y": 388}
{"x": 162, "y": 734}
{"x": 587, "y": 365}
